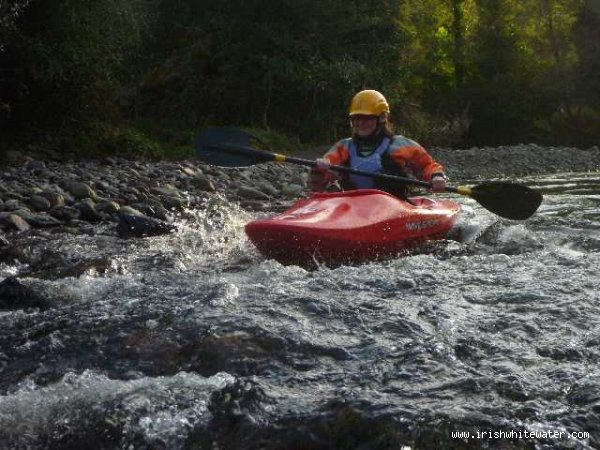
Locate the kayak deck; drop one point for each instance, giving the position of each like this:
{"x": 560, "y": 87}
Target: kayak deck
{"x": 350, "y": 227}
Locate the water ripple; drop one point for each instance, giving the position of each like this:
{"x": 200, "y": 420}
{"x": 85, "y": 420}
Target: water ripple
{"x": 193, "y": 340}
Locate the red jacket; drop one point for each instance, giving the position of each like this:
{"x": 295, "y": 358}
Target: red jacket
{"x": 410, "y": 157}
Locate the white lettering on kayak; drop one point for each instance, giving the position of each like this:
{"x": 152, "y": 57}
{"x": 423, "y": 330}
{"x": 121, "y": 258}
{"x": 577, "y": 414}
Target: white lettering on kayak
{"x": 422, "y": 224}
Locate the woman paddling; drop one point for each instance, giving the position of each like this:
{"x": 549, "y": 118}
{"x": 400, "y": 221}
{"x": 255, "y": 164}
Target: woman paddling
{"x": 375, "y": 148}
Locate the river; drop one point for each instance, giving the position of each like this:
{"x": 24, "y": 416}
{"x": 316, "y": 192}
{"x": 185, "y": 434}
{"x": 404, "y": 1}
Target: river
{"x": 194, "y": 341}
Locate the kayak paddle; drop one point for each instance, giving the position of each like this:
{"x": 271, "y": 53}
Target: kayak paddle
{"x": 232, "y": 147}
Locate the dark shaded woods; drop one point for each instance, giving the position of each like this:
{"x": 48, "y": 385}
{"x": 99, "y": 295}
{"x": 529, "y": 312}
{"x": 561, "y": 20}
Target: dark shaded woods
{"x": 140, "y": 76}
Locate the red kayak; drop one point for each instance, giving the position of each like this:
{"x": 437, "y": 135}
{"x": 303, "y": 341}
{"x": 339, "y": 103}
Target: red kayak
{"x": 351, "y": 227}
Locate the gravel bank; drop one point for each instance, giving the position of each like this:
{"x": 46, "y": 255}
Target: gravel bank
{"x": 516, "y": 161}
{"x": 141, "y": 197}
{"x": 507, "y": 161}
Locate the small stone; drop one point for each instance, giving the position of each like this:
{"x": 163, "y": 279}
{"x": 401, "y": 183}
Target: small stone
{"x": 81, "y": 191}
{"x": 12, "y": 205}
{"x": 267, "y": 188}
{"x": 203, "y": 183}
{"x": 292, "y": 190}
{"x": 39, "y": 203}
{"x": 56, "y": 199}
{"x": 166, "y": 190}
{"x": 128, "y": 210}
{"x": 36, "y": 166}
{"x": 65, "y": 213}
{"x": 14, "y": 222}
{"x": 251, "y": 193}
{"x": 87, "y": 208}
{"x": 41, "y": 220}
{"x": 172, "y": 203}
{"x": 187, "y": 171}
{"x": 108, "y": 206}
{"x": 110, "y": 161}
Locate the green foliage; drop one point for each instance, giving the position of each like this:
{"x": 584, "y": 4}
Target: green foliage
{"x": 430, "y": 130}
{"x": 578, "y": 127}
{"x": 141, "y": 75}
{"x": 275, "y": 141}
{"x": 67, "y": 59}
{"x": 586, "y": 40}
{"x": 522, "y": 60}
{"x": 9, "y": 12}
{"x": 290, "y": 65}
{"x": 130, "y": 143}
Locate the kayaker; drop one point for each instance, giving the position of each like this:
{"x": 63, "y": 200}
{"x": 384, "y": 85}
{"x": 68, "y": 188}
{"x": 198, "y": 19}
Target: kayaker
{"x": 375, "y": 148}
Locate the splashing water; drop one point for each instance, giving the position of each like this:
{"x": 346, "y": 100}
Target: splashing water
{"x": 193, "y": 340}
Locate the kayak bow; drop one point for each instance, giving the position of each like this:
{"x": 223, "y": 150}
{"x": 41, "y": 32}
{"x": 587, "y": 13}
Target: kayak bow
{"x": 351, "y": 227}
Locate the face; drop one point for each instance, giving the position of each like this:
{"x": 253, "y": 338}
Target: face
{"x": 363, "y": 126}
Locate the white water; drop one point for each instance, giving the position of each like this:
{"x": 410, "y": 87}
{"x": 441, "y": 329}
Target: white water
{"x": 500, "y": 331}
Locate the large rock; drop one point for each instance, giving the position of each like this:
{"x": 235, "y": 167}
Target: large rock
{"x": 15, "y": 295}
{"x": 13, "y": 222}
{"x": 39, "y": 203}
{"x": 132, "y": 225}
{"x": 152, "y": 209}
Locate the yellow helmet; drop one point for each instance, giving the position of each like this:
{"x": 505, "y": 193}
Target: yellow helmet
{"x": 370, "y": 103}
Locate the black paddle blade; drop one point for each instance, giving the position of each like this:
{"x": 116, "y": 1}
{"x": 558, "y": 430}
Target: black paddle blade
{"x": 227, "y": 147}
{"x": 508, "y": 200}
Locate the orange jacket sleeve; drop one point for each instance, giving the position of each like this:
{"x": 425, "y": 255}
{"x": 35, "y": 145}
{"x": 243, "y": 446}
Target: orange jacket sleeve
{"x": 339, "y": 154}
{"x": 413, "y": 158}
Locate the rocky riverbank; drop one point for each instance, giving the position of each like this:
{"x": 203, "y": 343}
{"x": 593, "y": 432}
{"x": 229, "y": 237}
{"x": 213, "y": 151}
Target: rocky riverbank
{"x": 516, "y": 161}
{"x": 140, "y": 197}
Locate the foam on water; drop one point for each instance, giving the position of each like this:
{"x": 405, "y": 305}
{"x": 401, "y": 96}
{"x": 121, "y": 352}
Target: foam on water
{"x": 160, "y": 411}
{"x": 496, "y": 331}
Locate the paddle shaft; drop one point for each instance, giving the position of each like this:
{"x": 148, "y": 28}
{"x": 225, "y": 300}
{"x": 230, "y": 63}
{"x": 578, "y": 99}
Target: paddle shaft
{"x": 228, "y": 147}
{"x": 277, "y": 157}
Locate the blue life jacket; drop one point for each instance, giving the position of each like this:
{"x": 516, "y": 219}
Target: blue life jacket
{"x": 371, "y": 163}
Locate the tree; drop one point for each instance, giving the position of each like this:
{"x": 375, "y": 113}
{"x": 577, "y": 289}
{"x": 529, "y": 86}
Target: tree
{"x": 290, "y": 65}
{"x": 587, "y": 43}
{"x": 67, "y": 59}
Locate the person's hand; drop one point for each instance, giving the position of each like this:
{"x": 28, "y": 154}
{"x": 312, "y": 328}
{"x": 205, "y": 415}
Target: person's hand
{"x": 322, "y": 164}
{"x": 438, "y": 183}
{"x": 318, "y": 180}
{"x": 320, "y": 176}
